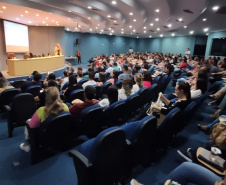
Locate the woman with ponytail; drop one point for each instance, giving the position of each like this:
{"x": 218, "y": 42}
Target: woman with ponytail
{"x": 138, "y": 78}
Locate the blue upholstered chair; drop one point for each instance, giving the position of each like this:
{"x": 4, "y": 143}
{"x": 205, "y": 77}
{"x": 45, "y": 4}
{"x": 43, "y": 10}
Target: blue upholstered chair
{"x": 77, "y": 94}
{"x": 102, "y": 160}
{"x": 115, "y": 113}
{"x": 22, "y": 108}
{"x": 33, "y": 89}
{"x": 142, "y": 96}
{"x": 152, "y": 69}
{"x": 118, "y": 84}
{"x": 142, "y": 137}
{"x": 65, "y": 85}
{"x": 18, "y": 83}
{"x": 152, "y": 93}
{"x": 156, "y": 80}
{"x": 104, "y": 88}
{"x": 82, "y": 81}
{"x": 7, "y": 96}
{"x": 91, "y": 121}
{"x": 131, "y": 105}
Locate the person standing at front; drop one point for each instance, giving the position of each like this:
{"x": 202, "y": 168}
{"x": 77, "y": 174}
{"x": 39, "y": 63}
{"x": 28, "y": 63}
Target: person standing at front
{"x": 78, "y": 53}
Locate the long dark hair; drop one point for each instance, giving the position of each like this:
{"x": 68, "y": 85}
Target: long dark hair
{"x": 147, "y": 76}
{"x": 202, "y": 85}
{"x": 115, "y": 75}
{"x": 186, "y": 88}
{"x": 112, "y": 94}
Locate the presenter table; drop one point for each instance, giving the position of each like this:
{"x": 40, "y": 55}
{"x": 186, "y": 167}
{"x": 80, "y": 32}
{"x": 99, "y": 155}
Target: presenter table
{"x": 72, "y": 58}
{"x": 41, "y": 64}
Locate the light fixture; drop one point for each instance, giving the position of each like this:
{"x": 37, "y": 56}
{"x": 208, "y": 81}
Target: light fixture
{"x": 157, "y": 10}
{"x": 185, "y": 26}
{"x": 89, "y": 7}
{"x": 122, "y": 29}
{"x": 156, "y": 19}
{"x": 151, "y": 24}
{"x": 57, "y": 24}
{"x": 79, "y": 26}
{"x": 21, "y": 15}
{"x": 130, "y": 26}
{"x": 89, "y": 18}
{"x": 17, "y": 19}
{"x": 101, "y": 30}
{"x": 68, "y": 29}
{"x": 144, "y": 31}
{"x": 47, "y": 18}
{"x": 114, "y": 2}
{"x": 96, "y": 27}
{"x": 46, "y": 24}
{"x": 158, "y": 29}
{"x": 150, "y": 36}
{"x": 145, "y": 27}
{"x": 161, "y": 35}
{"x": 131, "y": 33}
{"x": 122, "y": 32}
{"x": 90, "y": 29}
{"x": 29, "y": 22}
{"x": 1, "y": 11}
{"x": 131, "y": 13}
{"x": 204, "y": 19}
{"x": 205, "y": 29}
{"x": 109, "y": 16}
{"x": 169, "y": 25}
{"x": 115, "y": 21}
{"x": 173, "y": 34}
{"x": 215, "y": 8}
{"x": 69, "y": 19}
{"x": 4, "y": 7}
{"x": 137, "y": 37}
{"x": 180, "y": 19}
{"x": 69, "y": 11}
{"x": 207, "y": 33}
{"x": 191, "y": 32}
{"x": 37, "y": 15}
{"x": 110, "y": 33}
{"x": 43, "y": 22}
{"x": 134, "y": 20}
{"x": 26, "y": 11}
{"x": 109, "y": 28}
{"x": 52, "y": 20}
{"x": 134, "y": 30}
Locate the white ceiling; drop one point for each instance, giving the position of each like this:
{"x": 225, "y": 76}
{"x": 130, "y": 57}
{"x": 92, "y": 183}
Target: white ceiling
{"x": 107, "y": 18}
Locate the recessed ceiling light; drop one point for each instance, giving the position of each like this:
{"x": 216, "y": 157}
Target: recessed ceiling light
{"x": 90, "y": 29}
{"x": 112, "y": 31}
{"x": 89, "y": 7}
{"x": 69, "y": 19}
{"x": 122, "y": 32}
{"x": 109, "y": 28}
{"x": 137, "y": 37}
{"x": 29, "y": 22}
{"x": 157, "y": 10}
{"x": 26, "y": 11}
{"x": 215, "y": 8}
{"x": 173, "y": 34}
{"x": 156, "y": 19}
{"x": 131, "y": 13}
{"x": 21, "y": 15}
{"x": 122, "y": 29}
{"x": 150, "y": 36}
{"x": 114, "y": 2}
{"x": 158, "y": 29}
{"x": 169, "y": 25}
{"x": 4, "y": 7}
{"x": 180, "y": 19}
{"x": 144, "y": 31}
{"x": 134, "y": 20}
{"x": 47, "y": 18}
{"x": 46, "y": 24}
{"x": 109, "y": 16}
{"x": 96, "y": 27}
{"x": 1, "y": 11}
{"x": 69, "y": 11}
{"x": 115, "y": 21}
{"x": 185, "y": 26}
{"x": 57, "y": 24}
{"x": 67, "y": 29}
{"x": 191, "y": 32}
{"x": 131, "y": 33}
{"x": 145, "y": 27}
{"x": 50, "y": 13}
{"x": 89, "y": 18}
{"x": 43, "y": 22}
{"x": 17, "y": 19}
{"x": 52, "y": 20}
{"x": 37, "y": 15}
{"x": 204, "y": 19}
{"x": 79, "y": 26}
{"x": 151, "y": 24}
{"x": 206, "y": 29}
{"x": 161, "y": 35}
{"x": 134, "y": 30}
{"x": 207, "y": 33}
{"x": 130, "y": 26}
{"x": 101, "y": 30}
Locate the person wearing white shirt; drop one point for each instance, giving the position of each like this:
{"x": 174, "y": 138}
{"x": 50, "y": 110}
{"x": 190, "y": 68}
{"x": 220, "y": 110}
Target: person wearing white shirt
{"x": 130, "y": 50}
{"x": 138, "y": 78}
{"x": 112, "y": 97}
{"x": 110, "y": 68}
{"x": 64, "y": 80}
{"x": 187, "y": 53}
{"x": 90, "y": 80}
{"x": 126, "y": 90}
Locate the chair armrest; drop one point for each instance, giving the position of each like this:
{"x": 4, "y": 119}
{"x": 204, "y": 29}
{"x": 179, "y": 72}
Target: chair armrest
{"x": 79, "y": 156}
{"x": 7, "y": 108}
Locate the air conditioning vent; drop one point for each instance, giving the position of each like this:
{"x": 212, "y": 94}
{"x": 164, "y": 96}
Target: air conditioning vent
{"x": 173, "y": 30}
{"x": 116, "y": 24}
{"x": 95, "y": 9}
{"x": 222, "y": 10}
{"x": 151, "y": 30}
{"x": 188, "y": 11}
{"x": 165, "y": 27}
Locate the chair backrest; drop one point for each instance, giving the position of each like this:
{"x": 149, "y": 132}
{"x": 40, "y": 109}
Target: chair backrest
{"x": 188, "y": 111}
{"x": 57, "y": 130}
{"x": 104, "y": 88}
{"x": 131, "y": 103}
{"x": 18, "y": 83}
{"x": 33, "y": 89}
{"x": 142, "y": 96}
{"x": 91, "y": 120}
{"x": 115, "y": 113}
{"x": 82, "y": 81}
{"x": 65, "y": 86}
{"x": 156, "y": 80}
{"x": 22, "y": 108}
{"x": 77, "y": 94}
{"x": 152, "y": 93}
{"x": 118, "y": 84}
{"x": 7, "y": 96}
{"x": 109, "y": 156}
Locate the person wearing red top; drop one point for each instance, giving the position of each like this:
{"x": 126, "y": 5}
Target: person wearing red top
{"x": 184, "y": 64}
{"x": 78, "y": 105}
{"x": 78, "y": 53}
{"x": 147, "y": 79}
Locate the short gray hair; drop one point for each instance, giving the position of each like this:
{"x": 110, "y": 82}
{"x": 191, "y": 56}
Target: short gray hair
{"x": 3, "y": 82}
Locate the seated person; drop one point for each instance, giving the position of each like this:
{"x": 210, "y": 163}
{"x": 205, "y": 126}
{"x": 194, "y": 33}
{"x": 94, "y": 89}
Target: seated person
{"x": 125, "y": 72}
{"x": 71, "y": 71}
{"x": 184, "y": 97}
{"x": 110, "y": 68}
{"x": 99, "y": 69}
{"x": 48, "y": 77}
{"x": 183, "y": 64}
{"x": 90, "y": 80}
{"x": 199, "y": 88}
{"x": 114, "y": 75}
{"x": 79, "y": 105}
{"x": 101, "y": 79}
{"x": 80, "y": 76}
{"x": 35, "y": 81}
{"x": 138, "y": 78}
{"x": 147, "y": 79}
{"x": 41, "y": 98}
{"x": 1, "y": 75}
{"x": 64, "y": 80}
{"x": 4, "y": 84}
{"x": 53, "y": 106}
{"x": 71, "y": 87}
{"x": 112, "y": 97}
{"x": 126, "y": 90}
{"x": 115, "y": 66}
{"x": 136, "y": 68}
{"x": 31, "y": 76}
{"x": 88, "y": 71}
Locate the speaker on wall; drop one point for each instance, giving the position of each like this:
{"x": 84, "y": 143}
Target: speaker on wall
{"x": 77, "y": 42}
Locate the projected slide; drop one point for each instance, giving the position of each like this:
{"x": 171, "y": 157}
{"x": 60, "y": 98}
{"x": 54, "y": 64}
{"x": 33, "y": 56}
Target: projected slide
{"x": 16, "y": 37}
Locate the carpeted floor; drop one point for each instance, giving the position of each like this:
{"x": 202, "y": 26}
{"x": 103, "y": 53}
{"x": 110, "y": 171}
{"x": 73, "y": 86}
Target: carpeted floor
{"x": 15, "y": 167}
